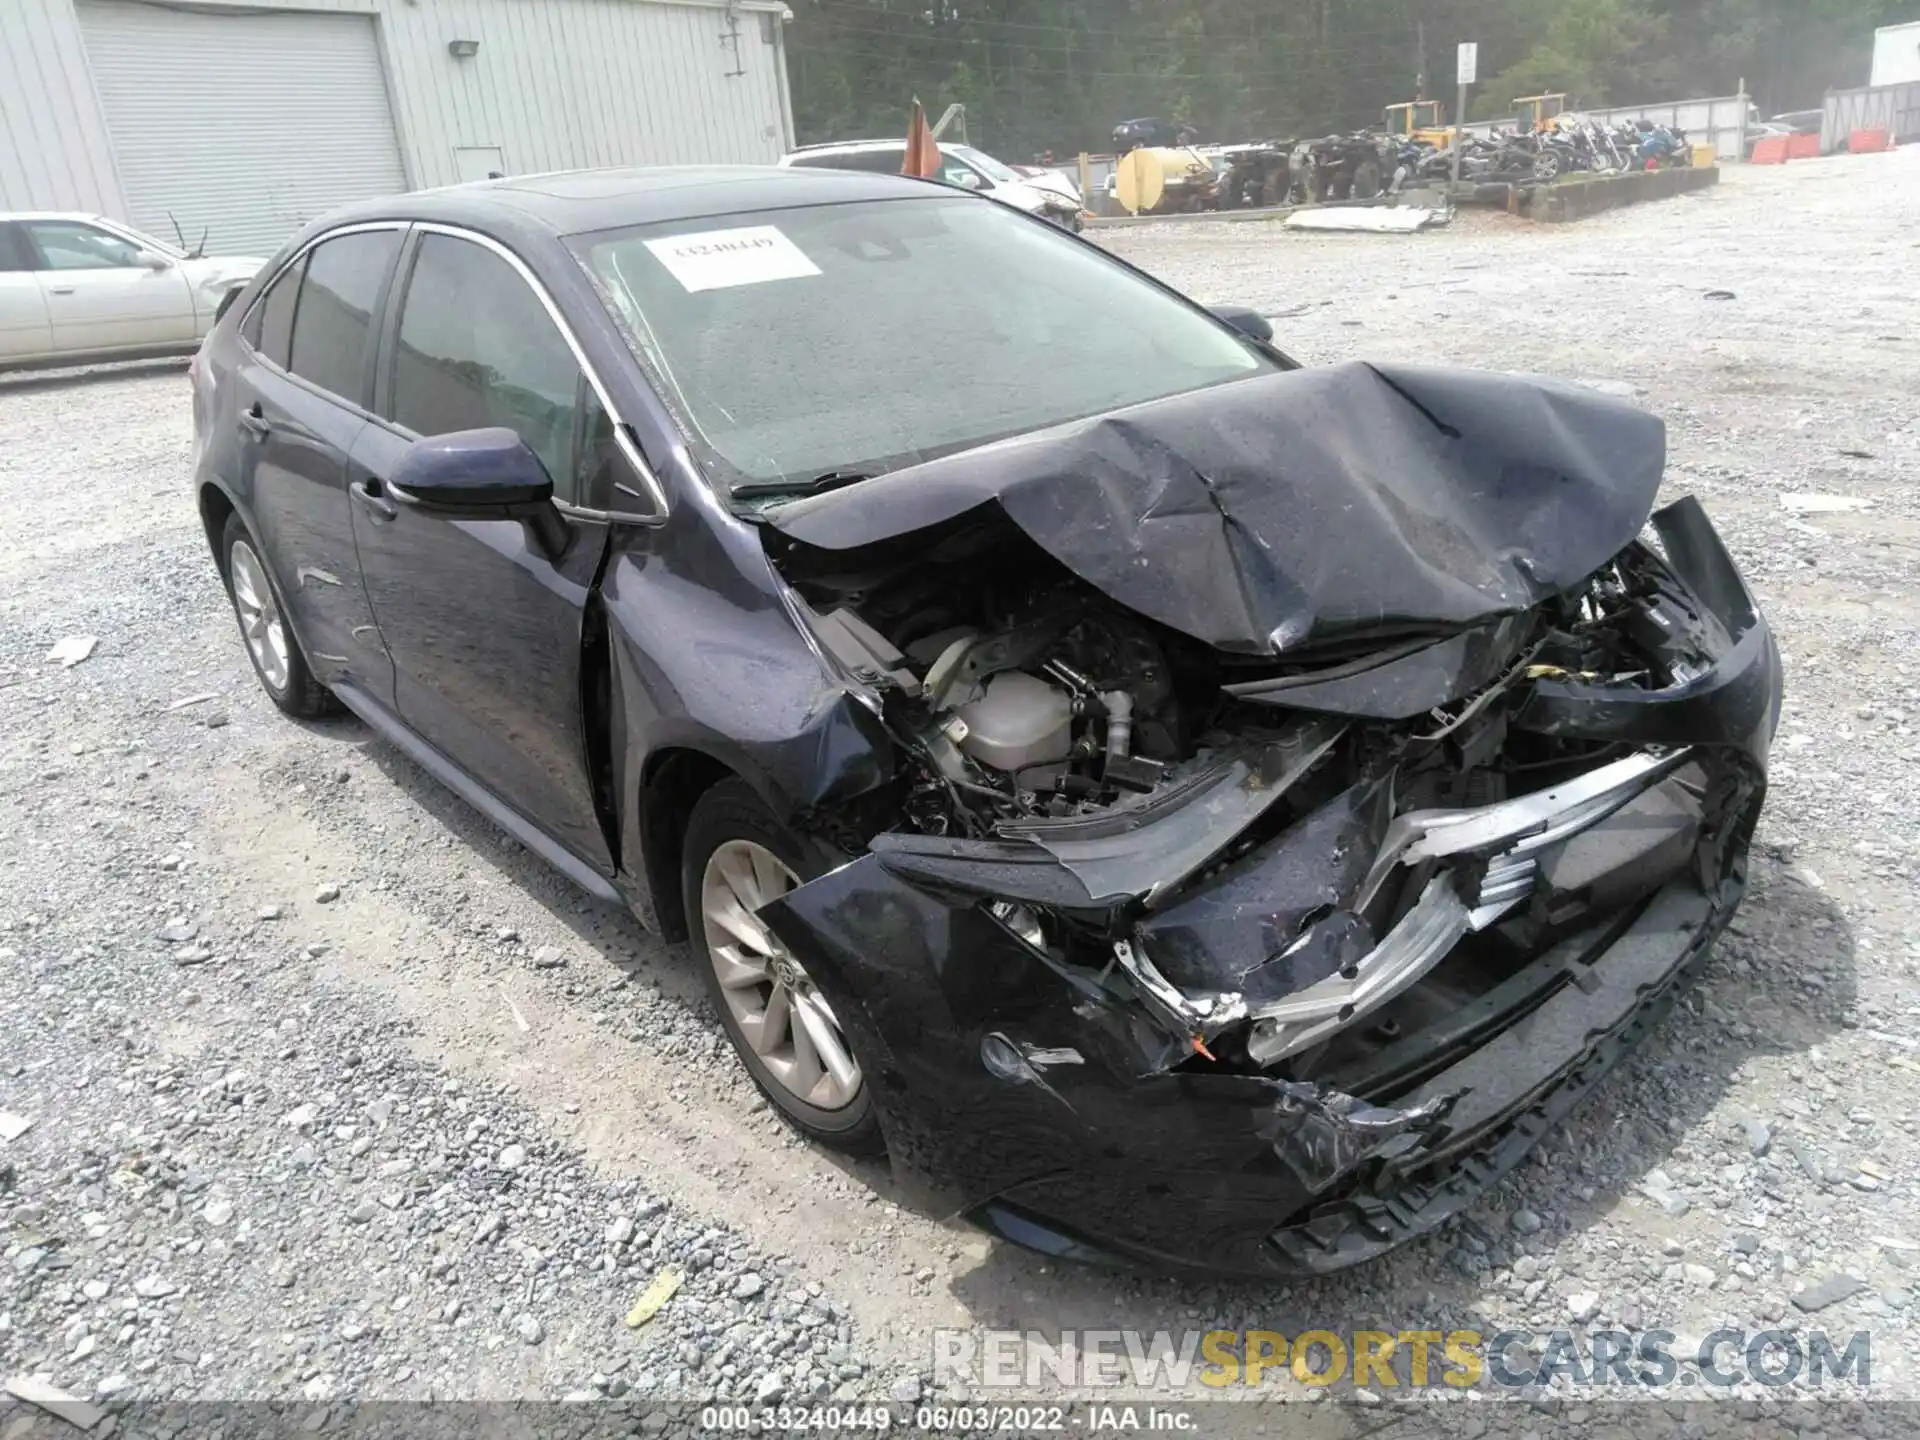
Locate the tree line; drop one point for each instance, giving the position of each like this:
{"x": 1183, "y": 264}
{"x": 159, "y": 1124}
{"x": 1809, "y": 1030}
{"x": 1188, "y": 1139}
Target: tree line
{"x": 1059, "y": 74}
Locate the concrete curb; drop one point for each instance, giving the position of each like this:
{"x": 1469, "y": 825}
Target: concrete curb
{"x": 1576, "y": 199}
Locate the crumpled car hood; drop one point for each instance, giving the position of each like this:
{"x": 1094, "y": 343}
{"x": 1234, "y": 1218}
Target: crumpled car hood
{"x": 1307, "y": 506}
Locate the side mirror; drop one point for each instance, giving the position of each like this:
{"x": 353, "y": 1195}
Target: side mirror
{"x": 969, "y": 180}
{"x": 1250, "y": 323}
{"x": 487, "y": 474}
{"x": 152, "y": 260}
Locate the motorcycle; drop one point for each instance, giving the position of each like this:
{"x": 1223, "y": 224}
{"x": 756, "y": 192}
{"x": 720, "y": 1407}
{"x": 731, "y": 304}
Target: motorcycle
{"x": 1662, "y": 147}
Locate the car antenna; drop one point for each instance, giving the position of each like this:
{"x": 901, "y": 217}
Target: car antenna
{"x": 192, "y": 252}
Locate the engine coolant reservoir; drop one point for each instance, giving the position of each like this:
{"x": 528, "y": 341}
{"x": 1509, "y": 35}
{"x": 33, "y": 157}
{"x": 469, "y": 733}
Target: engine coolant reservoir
{"x": 1020, "y": 721}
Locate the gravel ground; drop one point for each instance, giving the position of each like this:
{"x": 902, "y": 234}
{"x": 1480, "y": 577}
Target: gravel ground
{"x": 335, "y": 1092}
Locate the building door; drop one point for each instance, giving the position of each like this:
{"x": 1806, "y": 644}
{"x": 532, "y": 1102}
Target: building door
{"x": 240, "y": 126}
{"x": 478, "y": 162}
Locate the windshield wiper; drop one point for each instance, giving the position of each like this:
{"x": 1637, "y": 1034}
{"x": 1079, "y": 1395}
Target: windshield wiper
{"x": 819, "y": 484}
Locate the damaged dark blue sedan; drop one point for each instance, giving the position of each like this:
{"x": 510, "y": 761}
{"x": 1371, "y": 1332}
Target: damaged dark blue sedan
{"x": 1184, "y": 807}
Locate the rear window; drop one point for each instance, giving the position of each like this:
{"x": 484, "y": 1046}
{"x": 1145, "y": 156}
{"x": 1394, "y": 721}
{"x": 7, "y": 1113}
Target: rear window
{"x": 269, "y": 329}
{"x": 333, "y": 322}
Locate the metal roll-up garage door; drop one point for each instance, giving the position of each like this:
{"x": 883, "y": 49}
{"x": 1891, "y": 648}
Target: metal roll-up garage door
{"x": 244, "y": 125}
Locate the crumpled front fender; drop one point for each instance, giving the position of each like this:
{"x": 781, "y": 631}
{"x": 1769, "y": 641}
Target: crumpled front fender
{"x": 997, "y": 1075}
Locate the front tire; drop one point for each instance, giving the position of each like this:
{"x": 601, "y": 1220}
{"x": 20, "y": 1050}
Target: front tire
{"x": 738, "y": 858}
{"x": 271, "y": 646}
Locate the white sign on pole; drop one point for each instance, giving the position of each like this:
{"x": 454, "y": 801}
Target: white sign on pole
{"x": 1469, "y": 62}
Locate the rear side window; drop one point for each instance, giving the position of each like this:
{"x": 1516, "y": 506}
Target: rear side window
{"x": 334, "y": 317}
{"x": 269, "y": 329}
{"x": 13, "y": 250}
{"x": 476, "y": 347}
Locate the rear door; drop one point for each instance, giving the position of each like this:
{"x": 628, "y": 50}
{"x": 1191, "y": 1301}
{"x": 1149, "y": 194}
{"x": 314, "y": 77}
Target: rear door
{"x": 101, "y": 296}
{"x": 301, "y": 404}
{"x": 25, "y": 333}
{"x": 483, "y": 625}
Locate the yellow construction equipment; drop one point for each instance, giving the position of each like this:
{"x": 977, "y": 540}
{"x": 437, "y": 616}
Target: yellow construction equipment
{"x": 1425, "y": 121}
{"x": 1536, "y": 112}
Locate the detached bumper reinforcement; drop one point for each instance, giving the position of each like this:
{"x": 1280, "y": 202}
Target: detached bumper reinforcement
{"x": 1508, "y": 1101}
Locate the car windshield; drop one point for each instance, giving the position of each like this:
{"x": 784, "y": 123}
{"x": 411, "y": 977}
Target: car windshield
{"x": 857, "y": 338}
{"x": 985, "y": 164}
{"x": 140, "y": 237}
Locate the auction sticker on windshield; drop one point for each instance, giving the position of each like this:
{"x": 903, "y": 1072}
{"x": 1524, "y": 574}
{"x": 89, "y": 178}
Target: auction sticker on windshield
{"x": 719, "y": 259}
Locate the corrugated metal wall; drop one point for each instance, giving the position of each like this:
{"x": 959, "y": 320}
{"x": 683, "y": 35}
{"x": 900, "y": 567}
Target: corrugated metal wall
{"x": 558, "y": 84}
{"x": 54, "y": 153}
{"x": 1893, "y": 108}
{"x": 555, "y": 84}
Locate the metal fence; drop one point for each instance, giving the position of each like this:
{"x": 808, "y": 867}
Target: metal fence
{"x": 1893, "y": 108}
{"x": 1721, "y": 121}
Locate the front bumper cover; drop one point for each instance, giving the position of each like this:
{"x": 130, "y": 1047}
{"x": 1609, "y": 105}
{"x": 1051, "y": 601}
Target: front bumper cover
{"x": 1014, "y": 1091}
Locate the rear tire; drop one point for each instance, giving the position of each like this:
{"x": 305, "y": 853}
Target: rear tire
{"x": 271, "y": 644}
{"x": 738, "y": 856}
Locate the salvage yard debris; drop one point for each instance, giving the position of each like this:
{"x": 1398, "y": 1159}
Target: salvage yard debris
{"x": 664, "y": 1287}
{"x": 56, "y": 1402}
{"x": 1807, "y": 504}
{"x": 72, "y": 650}
{"x": 1377, "y": 220}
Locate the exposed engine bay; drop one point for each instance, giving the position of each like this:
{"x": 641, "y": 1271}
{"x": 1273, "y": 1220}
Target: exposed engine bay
{"x": 1032, "y": 710}
{"x": 1377, "y": 789}
{"x": 1021, "y": 693}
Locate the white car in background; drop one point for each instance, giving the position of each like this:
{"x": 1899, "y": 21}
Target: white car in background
{"x": 80, "y": 288}
{"x": 1051, "y": 196}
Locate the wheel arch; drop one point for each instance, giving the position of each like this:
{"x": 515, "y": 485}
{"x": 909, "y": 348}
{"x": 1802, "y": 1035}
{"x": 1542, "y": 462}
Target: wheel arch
{"x": 216, "y": 508}
{"x": 671, "y": 784}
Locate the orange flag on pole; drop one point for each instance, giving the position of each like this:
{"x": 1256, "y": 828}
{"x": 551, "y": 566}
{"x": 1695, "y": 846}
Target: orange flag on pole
{"x": 923, "y": 155}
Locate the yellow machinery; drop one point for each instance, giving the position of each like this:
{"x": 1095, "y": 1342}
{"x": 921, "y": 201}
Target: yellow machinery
{"x": 1165, "y": 181}
{"x": 1425, "y": 121}
{"x": 1534, "y": 112}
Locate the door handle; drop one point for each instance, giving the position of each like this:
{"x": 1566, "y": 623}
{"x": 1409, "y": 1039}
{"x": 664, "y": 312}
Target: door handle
{"x": 63, "y": 289}
{"x": 254, "y": 421}
{"x": 379, "y": 509}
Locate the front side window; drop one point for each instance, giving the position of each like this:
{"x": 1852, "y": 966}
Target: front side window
{"x": 873, "y": 335}
{"x": 958, "y": 172}
{"x": 333, "y": 317}
{"x": 993, "y": 169}
{"x": 72, "y": 245}
{"x": 476, "y": 348}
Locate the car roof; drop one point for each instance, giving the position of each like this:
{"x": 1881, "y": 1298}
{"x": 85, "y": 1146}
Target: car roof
{"x": 572, "y": 202}
{"x": 87, "y": 216}
{"x": 849, "y": 145}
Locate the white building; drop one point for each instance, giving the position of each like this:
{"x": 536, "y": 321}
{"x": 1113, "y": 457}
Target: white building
{"x": 246, "y": 118}
{"x": 1896, "y": 55}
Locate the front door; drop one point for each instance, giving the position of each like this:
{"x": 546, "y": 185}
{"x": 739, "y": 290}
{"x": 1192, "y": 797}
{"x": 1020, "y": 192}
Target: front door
{"x": 301, "y": 406}
{"x": 104, "y": 293}
{"x": 483, "y": 624}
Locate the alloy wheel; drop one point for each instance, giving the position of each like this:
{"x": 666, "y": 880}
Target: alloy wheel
{"x": 785, "y": 1020}
{"x": 259, "y": 612}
